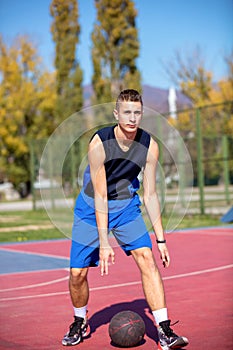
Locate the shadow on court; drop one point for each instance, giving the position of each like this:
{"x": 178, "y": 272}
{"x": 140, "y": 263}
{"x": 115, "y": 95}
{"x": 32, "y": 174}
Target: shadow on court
{"x": 105, "y": 315}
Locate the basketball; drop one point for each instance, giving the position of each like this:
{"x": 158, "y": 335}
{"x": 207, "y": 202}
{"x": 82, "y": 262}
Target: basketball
{"x": 126, "y": 329}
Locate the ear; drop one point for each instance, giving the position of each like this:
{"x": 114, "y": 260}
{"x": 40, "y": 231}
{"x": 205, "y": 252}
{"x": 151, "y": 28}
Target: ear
{"x": 115, "y": 113}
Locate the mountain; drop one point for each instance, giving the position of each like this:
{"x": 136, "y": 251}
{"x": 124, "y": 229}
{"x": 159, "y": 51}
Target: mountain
{"x": 153, "y": 97}
{"x": 157, "y": 99}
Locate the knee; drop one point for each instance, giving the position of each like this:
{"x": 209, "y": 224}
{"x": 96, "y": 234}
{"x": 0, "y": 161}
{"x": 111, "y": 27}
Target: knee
{"x": 145, "y": 259}
{"x": 78, "y": 275}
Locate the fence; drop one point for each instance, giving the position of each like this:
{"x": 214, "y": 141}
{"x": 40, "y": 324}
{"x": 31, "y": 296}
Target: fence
{"x": 206, "y": 133}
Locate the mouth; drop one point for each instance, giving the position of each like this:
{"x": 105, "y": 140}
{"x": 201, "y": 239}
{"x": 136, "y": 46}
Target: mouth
{"x": 132, "y": 126}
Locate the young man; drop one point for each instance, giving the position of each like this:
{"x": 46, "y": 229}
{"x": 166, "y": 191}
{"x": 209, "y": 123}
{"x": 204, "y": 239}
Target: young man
{"x": 109, "y": 202}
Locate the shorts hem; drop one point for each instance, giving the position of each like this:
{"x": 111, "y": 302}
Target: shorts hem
{"x": 85, "y": 266}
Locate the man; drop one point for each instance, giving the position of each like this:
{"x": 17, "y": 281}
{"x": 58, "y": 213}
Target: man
{"x": 109, "y": 202}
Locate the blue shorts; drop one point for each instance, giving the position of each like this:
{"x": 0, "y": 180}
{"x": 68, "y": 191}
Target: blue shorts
{"x": 125, "y": 222}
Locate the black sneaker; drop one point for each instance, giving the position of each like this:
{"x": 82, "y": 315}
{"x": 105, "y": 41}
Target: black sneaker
{"x": 168, "y": 339}
{"x": 79, "y": 329}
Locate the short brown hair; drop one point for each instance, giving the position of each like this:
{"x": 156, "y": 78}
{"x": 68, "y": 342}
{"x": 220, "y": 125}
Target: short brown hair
{"x": 128, "y": 95}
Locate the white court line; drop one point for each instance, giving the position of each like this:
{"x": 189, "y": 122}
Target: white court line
{"x": 32, "y": 271}
{"x": 34, "y": 253}
{"x": 194, "y": 273}
{"x": 35, "y": 285}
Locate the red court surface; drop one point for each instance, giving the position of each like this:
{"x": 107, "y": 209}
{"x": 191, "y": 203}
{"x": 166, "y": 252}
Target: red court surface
{"x": 36, "y": 309}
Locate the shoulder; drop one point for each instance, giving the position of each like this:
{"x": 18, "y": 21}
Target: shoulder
{"x": 144, "y": 137}
{"x": 96, "y": 151}
{"x": 153, "y": 152}
{"x": 105, "y": 133}
{"x": 144, "y": 132}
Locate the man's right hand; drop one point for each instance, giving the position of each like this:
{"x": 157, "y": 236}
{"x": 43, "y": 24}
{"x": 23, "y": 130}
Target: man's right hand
{"x": 106, "y": 253}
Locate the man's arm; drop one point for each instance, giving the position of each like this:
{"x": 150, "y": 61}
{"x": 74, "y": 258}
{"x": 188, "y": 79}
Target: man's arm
{"x": 96, "y": 156}
{"x": 151, "y": 199}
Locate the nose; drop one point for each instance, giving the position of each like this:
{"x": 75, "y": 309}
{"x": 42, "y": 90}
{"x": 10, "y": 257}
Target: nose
{"x": 132, "y": 117}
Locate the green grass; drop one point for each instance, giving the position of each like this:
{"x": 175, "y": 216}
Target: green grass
{"x": 42, "y": 234}
{"x": 11, "y": 220}
{"x": 196, "y": 220}
{"x": 21, "y": 218}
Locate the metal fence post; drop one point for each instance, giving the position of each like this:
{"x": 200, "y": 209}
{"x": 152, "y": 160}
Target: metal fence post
{"x": 161, "y": 159}
{"x": 200, "y": 170}
{"x": 51, "y": 189}
{"x": 181, "y": 167}
{"x": 226, "y": 167}
{"x": 73, "y": 171}
{"x": 32, "y": 173}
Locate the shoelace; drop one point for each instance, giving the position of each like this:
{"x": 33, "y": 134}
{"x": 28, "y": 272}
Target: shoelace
{"x": 75, "y": 327}
{"x": 168, "y": 331}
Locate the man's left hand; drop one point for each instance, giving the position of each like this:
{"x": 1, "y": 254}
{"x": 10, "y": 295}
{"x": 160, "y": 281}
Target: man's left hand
{"x": 164, "y": 254}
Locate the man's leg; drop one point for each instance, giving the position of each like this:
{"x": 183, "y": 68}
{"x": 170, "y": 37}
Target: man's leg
{"x": 78, "y": 285}
{"x": 154, "y": 292}
{"x": 79, "y": 293}
{"x": 151, "y": 279}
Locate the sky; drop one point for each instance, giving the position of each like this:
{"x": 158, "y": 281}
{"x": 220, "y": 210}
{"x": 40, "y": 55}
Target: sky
{"x": 163, "y": 27}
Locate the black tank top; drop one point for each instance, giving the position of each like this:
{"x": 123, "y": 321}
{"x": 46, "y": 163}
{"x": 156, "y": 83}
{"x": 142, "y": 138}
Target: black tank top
{"x": 122, "y": 167}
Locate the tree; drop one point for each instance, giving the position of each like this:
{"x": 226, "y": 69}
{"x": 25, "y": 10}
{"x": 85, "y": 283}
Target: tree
{"x": 190, "y": 76}
{"x": 115, "y": 49}
{"x": 214, "y": 99}
{"x": 26, "y": 107}
{"x": 222, "y": 92}
{"x": 65, "y": 31}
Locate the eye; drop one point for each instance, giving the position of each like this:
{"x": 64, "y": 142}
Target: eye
{"x": 138, "y": 113}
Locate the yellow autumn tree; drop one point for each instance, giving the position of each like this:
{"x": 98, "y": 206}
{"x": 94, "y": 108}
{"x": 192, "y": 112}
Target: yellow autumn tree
{"x": 27, "y": 97}
{"x": 213, "y": 99}
{"x": 222, "y": 94}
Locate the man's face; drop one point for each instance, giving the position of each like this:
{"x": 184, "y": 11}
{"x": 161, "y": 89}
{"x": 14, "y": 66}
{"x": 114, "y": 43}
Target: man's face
{"x": 129, "y": 115}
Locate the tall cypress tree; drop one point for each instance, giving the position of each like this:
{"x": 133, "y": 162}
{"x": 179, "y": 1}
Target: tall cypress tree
{"x": 115, "y": 49}
{"x": 65, "y": 31}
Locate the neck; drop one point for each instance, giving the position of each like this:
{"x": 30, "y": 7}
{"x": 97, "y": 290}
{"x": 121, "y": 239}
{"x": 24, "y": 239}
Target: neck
{"x": 123, "y": 138}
